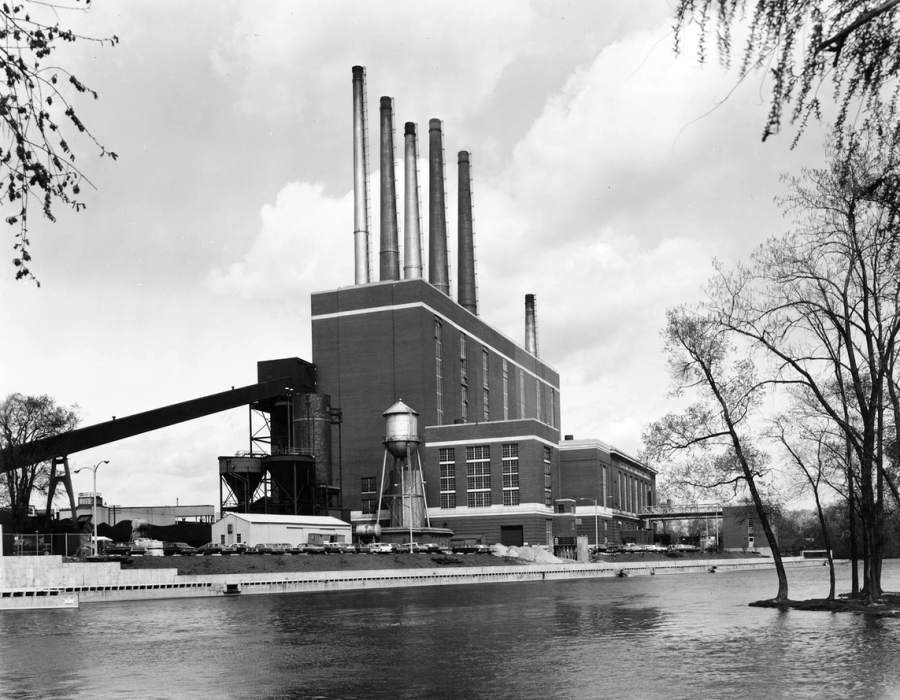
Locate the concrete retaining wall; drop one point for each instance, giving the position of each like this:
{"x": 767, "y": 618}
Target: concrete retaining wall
{"x": 51, "y": 579}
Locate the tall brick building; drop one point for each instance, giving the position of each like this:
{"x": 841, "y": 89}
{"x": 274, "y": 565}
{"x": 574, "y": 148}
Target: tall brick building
{"x": 489, "y": 409}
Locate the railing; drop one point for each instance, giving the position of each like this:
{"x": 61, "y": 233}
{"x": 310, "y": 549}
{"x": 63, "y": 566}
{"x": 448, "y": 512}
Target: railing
{"x": 670, "y": 508}
{"x": 64, "y": 544}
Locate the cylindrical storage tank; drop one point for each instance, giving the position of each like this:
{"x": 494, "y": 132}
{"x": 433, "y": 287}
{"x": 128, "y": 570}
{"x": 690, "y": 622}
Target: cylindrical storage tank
{"x": 243, "y": 475}
{"x": 312, "y": 432}
{"x": 401, "y": 429}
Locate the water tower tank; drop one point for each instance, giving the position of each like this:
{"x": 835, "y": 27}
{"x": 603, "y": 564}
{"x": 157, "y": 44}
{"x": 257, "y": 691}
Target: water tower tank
{"x": 401, "y": 429}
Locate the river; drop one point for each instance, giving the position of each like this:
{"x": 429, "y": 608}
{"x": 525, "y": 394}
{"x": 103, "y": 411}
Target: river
{"x": 669, "y": 637}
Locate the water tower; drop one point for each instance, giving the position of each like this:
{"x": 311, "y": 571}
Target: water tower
{"x": 402, "y": 488}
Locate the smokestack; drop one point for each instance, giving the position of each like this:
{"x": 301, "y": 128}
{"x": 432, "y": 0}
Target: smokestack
{"x": 438, "y": 272}
{"x": 390, "y": 245}
{"x": 360, "y": 178}
{"x": 531, "y": 336}
{"x": 412, "y": 236}
{"x": 467, "y": 295}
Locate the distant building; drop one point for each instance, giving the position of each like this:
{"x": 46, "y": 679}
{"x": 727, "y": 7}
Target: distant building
{"x": 154, "y": 515}
{"x": 258, "y": 528}
{"x": 741, "y": 531}
{"x": 603, "y": 490}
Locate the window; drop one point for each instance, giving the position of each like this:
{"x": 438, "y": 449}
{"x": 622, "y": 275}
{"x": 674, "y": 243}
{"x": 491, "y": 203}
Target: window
{"x": 552, "y": 420}
{"x": 510, "y": 475}
{"x": 540, "y": 408}
{"x": 368, "y": 502}
{"x": 463, "y": 379}
{"x": 548, "y": 482}
{"x": 521, "y": 393}
{"x": 486, "y": 392}
{"x": 448, "y": 477}
{"x": 438, "y": 367}
{"x": 478, "y": 476}
{"x": 505, "y": 390}
{"x": 239, "y": 538}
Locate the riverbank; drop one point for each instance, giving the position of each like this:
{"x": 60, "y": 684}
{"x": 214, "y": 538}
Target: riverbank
{"x": 269, "y": 564}
{"x": 50, "y": 582}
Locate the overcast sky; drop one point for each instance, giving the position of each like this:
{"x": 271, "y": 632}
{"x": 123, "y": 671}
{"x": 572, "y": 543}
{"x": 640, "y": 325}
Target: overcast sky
{"x": 607, "y": 174}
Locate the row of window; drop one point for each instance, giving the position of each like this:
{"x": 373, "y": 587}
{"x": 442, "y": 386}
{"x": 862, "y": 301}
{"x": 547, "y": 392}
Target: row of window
{"x": 485, "y": 413}
{"x": 478, "y": 478}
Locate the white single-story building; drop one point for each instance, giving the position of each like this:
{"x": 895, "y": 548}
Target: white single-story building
{"x": 257, "y": 528}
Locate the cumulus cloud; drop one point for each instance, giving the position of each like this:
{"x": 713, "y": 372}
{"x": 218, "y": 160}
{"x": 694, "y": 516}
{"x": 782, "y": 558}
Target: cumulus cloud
{"x": 301, "y": 246}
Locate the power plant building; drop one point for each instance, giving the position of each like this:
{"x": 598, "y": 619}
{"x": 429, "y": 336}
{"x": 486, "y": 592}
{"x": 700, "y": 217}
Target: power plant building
{"x": 489, "y": 406}
{"x": 490, "y": 409}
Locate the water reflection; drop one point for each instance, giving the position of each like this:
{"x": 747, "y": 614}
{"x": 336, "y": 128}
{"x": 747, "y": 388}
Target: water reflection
{"x": 683, "y": 636}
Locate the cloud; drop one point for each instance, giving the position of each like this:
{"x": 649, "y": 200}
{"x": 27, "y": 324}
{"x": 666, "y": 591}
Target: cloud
{"x": 421, "y": 53}
{"x": 301, "y": 247}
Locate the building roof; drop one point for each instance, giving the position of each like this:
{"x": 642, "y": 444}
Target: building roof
{"x": 594, "y": 443}
{"x": 268, "y": 519}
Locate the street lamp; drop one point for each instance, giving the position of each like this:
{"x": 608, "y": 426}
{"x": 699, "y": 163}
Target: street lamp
{"x": 94, "y": 469}
{"x": 596, "y": 520}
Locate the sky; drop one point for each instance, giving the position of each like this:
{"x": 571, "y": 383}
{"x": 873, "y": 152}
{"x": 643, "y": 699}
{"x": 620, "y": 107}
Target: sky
{"x": 608, "y": 173}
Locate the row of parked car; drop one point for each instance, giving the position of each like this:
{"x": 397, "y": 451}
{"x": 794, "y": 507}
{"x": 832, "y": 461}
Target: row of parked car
{"x": 636, "y": 547}
{"x": 325, "y": 548}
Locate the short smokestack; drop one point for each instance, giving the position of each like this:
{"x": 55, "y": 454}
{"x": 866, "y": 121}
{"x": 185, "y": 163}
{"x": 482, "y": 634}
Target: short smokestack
{"x": 360, "y": 178}
{"x": 412, "y": 235}
{"x": 467, "y": 295}
{"x": 438, "y": 271}
{"x": 531, "y": 336}
{"x": 390, "y": 245}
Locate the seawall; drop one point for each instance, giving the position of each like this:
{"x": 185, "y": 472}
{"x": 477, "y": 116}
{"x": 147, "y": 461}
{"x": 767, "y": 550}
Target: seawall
{"x": 48, "y": 581}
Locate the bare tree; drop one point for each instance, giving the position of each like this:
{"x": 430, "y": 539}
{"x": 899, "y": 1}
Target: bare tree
{"x": 817, "y": 453}
{"x": 38, "y": 117}
{"x": 823, "y": 302}
{"x": 24, "y": 419}
{"x": 711, "y": 445}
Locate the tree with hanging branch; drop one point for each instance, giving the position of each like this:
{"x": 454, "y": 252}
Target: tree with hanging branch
{"x": 38, "y": 118}
{"x": 848, "y": 48}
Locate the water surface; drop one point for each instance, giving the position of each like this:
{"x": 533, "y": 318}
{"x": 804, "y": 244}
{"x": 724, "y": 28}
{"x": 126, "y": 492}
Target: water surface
{"x": 673, "y": 636}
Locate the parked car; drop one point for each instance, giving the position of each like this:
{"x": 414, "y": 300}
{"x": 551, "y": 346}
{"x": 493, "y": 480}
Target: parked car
{"x": 655, "y": 548}
{"x": 333, "y": 547}
{"x": 240, "y": 548}
{"x": 380, "y": 548}
{"x": 686, "y": 548}
{"x": 432, "y": 547}
{"x": 309, "y": 548}
{"x": 271, "y": 548}
{"x": 212, "y": 548}
{"x": 180, "y": 548}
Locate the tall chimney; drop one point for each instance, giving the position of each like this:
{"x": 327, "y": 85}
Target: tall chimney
{"x": 438, "y": 272}
{"x": 360, "y": 178}
{"x": 531, "y": 337}
{"x": 412, "y": 236}
{"x": 467, "y": 295}
{"x": 390, "y": 245}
